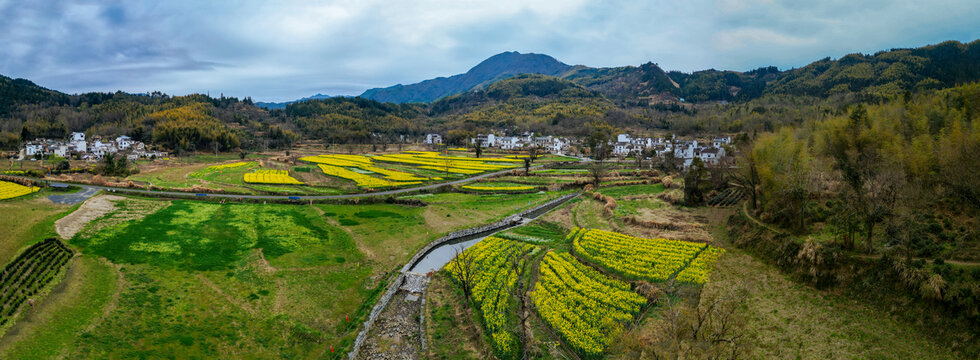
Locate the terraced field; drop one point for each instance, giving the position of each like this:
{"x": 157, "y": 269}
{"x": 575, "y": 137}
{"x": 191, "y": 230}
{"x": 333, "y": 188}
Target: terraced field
{"x": 24, "y": 278}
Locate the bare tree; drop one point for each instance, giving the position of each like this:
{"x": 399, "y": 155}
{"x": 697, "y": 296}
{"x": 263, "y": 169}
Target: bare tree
{"x": 638, "y": 157}
{"x": 713, "y": 329}
{"x": 746, "y": 176}
{"x": 597, "y": 170}
{"x": 515, "y": 262}
{"x": 880, "y": 196}
{"x": 466, "y": 271}
{"x": 532, "y": 153}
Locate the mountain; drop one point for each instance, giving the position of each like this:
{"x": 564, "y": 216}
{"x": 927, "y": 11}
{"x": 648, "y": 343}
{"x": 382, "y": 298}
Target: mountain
{"x": 502, "y": 93}
{"x": 19, "y": 91}
{"x": 282, "y": 105}
{"x": 500, "y": 66}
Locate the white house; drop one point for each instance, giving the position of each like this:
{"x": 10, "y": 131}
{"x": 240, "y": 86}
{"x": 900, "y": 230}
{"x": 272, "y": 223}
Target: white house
{"x": 486, "y": 140}
{"x": 510, "y": 142}
{"x": 79, "y": 146}
{"x": 77, "y": 136}
{"x": 124, "y": 142}
{"x": 61, "y": 150}
{"x": 623, "y": 138}
{"x": 558, "y": 146}
{"x": 32, "y": 149}
{"x": 433, "y": 139}
{"x": 685, "y": 149}
{"x": 621, "y": 148}
{"x": 720, "y": 141}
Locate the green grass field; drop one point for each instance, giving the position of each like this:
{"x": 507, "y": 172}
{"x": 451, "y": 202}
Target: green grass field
{"x": 208, "y": 280}
{"x": 193, "y": 235}
{"x": 26, "y": 220}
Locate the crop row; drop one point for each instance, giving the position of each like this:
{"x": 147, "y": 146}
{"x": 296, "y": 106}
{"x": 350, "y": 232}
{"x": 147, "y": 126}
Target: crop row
{"x": 362, "y": 180}
{"x": 634, "y": 257}
{"x": 699, "y": 270}
{"x": 453, "y": 164}
{"x": 228, "y": 166}
{"x": 362, "y": 162}
{"x": 728, "y": 197}
{"x": 27, "y": 275}
{"x": 271, "y": 177}
{"x": 585, "y": 307}
{"x": 487, "y": 268}
{"x": 11, "y": 190}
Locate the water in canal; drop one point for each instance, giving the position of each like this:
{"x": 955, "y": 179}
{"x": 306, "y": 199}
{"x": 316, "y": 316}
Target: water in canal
{"x": 441, "y": 255}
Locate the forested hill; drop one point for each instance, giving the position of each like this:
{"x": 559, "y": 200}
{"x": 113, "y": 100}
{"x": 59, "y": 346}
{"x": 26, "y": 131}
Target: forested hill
{"x": 883, "y": 74}
{"x": 644, "y": 99}
{"x": 14, "y": 92}
{"x": 495, "y": 68}
{"x": 886, "y": 73}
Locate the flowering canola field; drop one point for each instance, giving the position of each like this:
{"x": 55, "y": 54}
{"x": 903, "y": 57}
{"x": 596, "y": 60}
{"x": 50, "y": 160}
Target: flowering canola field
{"x": 228, "y": 166}
{"x": 492, "y": 283}
{"x": 646, "y": 259}
{"x": 271, "y": 177}
{"x": 700, "y": 268}
{"x": 432, "y": 160}
{"x": 585, "y": 307}
{"x": 338, "y": 164}
{"x": 10, "y": 190}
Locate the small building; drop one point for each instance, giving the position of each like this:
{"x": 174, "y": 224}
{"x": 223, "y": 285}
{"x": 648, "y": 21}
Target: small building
{"x": 61, "y": 150}
{"x": 510, "y": 142}
{"x": 485, "y": 140}
{"x": 433, "y": 139}
{"x": 124, "y": 142}
{"x": 32, "y": 149}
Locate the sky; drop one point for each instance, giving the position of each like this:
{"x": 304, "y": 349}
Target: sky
{"x": 284, "y": 50}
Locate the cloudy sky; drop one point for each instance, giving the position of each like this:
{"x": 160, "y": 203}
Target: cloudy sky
{"x": 284, "y": 50}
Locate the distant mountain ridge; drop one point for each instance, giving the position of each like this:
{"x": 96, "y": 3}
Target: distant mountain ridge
{"x": 497, "y": 67}
{"x": 882, "y": 74}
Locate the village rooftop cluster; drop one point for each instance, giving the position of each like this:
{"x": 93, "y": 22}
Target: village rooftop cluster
{"x": 78, "y": 148}
{"x": 710, "y": 151}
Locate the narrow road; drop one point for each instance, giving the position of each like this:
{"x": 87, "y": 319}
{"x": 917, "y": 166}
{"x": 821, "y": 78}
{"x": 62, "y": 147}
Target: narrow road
{"x": 294, "y": 197}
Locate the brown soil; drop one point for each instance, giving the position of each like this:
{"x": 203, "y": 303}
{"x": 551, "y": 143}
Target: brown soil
{"x": 92, "y": 209}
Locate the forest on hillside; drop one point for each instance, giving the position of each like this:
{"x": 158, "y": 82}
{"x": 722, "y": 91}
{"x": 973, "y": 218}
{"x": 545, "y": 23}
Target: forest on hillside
{"x": 880, "y": 200}
{"x": 756, "y": 101}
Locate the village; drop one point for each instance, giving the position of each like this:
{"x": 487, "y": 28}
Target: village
{"x": 78, "y": 148}
{"x": 711, "y": 151}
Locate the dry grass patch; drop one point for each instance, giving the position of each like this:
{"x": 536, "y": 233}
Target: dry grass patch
{"x": 110, "y": 210}
{"x": 25, "y": 221}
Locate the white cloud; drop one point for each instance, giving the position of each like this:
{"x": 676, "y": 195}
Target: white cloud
{"x": 289, "y": 49}
{"x": 739, "y": 38}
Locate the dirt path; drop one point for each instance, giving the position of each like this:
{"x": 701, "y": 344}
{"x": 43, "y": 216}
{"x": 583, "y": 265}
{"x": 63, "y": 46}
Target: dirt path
{"x": 395, "y": 335}
{"x": 92, "y": 209}
{"x": 120, "y": 285}
{"x": 225, "y": 295}
{"x": 862, "y": 256}
{"x": 745, "y": 210}
{"x": 953, "y": 262}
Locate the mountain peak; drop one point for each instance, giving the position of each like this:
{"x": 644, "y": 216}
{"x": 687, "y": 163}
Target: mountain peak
{"x": 497, "y": 67}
